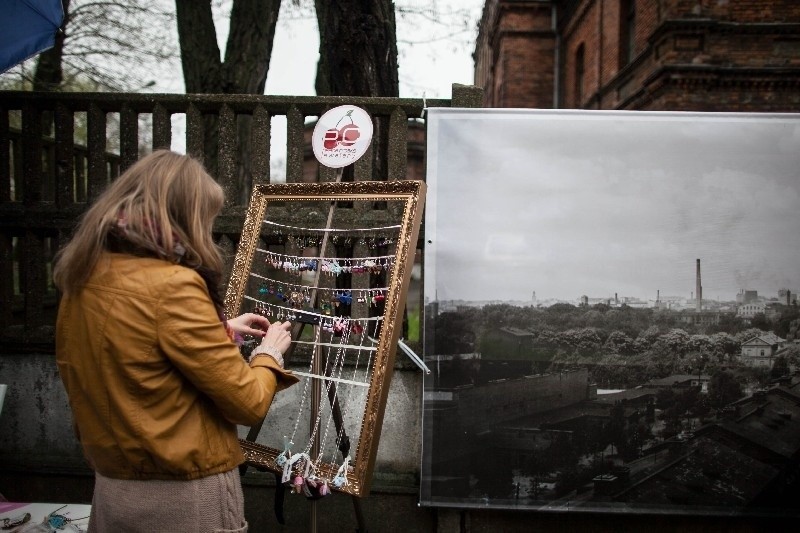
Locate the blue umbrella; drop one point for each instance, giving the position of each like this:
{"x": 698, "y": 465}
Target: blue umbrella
{"x": 27, "y": 27}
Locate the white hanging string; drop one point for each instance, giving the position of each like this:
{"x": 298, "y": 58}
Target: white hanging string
{"x": 306, "y": 287}
{"x": 295, "y": 311}
{"x": 300, "y": 258}
{"x": 329, "y": 378}
{"x": 351, "y": 230}
{"x": 347, "y": 346}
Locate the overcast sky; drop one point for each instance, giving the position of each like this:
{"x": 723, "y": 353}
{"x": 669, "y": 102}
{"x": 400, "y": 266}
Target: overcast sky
{"x": 574, "y": 204}
{"x": 431, "y": 57}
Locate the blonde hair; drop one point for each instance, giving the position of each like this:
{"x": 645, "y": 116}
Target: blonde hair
{"x": 164, "y": 204}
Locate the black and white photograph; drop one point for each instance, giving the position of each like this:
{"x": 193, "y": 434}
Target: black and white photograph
{"x": 612, "y": 321}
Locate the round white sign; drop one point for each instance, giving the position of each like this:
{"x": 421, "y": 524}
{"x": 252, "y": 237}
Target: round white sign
{"x": 341, "y": 136}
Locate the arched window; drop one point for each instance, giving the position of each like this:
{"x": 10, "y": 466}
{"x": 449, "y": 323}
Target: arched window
{"x": 627, "y": 31}
{"x": 580, "y": 69}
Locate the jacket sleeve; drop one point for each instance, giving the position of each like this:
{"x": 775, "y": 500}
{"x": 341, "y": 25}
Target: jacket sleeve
{"x": 192, "y": 337}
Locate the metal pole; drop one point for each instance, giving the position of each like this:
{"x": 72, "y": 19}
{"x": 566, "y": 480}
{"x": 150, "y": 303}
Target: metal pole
{"x": 317, "y": 370}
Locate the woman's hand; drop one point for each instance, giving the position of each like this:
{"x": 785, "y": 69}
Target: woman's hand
{"x": 249, "y": 324}
{"x": 278, "y": 336}
{"x": 275, "y": 343}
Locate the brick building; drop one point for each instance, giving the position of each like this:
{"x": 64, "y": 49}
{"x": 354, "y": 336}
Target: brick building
{"x": 691, "y": 55}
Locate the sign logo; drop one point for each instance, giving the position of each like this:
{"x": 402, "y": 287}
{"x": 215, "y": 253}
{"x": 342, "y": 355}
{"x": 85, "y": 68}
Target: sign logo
{"x": 341, "y": 136}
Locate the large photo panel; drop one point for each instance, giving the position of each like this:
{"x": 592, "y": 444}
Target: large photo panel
{"x": 611, "y": 316}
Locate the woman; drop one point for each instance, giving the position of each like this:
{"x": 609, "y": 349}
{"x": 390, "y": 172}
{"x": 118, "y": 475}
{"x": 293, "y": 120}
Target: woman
{"x": 155, "y": 381}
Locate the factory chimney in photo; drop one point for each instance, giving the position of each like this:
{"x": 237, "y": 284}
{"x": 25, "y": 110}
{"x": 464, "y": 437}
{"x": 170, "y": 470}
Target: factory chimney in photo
{"x": 699, "y": 290}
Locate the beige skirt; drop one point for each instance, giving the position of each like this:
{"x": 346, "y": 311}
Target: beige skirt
{"x": 212, "y": 504}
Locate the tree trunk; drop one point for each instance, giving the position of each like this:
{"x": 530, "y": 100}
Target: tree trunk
{"x": 249, "y": 47}
{"x": 49, "y": 75}
{"x": 244, "y": 71}
{"x": 357, "y": 48}
{"x": 200, "y": 59}
{"x": 358, "y": 57}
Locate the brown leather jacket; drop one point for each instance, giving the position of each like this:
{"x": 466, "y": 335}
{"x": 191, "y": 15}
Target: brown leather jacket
{"x": 155, "y": 385}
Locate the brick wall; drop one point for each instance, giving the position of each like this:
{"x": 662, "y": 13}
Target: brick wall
{"x": 515, "y": 54}
{"x": 714, "y": 55}
{"x": 582, "y": 32}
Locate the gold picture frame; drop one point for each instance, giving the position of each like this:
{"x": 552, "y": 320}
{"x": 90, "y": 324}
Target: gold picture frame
{"x": 290, "y": 265}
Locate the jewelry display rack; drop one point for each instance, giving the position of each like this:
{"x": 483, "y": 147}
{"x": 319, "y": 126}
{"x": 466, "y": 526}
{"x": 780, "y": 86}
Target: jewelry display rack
{"x": 336, "y": 257}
